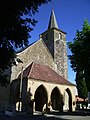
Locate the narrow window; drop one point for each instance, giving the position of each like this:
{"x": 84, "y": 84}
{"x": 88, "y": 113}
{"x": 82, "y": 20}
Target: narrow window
{"x": 60, "y": 36}
{"x": 46, "y": 36}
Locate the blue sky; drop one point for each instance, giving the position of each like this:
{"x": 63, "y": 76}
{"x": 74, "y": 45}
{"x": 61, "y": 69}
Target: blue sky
{"x": 70, "y": 15}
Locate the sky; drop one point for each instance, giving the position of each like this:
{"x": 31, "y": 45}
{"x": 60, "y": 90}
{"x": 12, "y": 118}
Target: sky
{"x": 70, "y": 15}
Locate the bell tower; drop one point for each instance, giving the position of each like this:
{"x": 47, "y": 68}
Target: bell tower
{"x": 55, "y": 40}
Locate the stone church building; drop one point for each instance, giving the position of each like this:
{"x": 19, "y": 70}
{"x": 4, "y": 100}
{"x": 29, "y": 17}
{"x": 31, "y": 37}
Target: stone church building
{"x": 42, "y": 76}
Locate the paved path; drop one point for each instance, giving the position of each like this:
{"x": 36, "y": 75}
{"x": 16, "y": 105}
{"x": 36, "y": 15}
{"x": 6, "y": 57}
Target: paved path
{"x": 79, "y": 115}
{"x": 51, "y": 116}
{"x": 70, "y": 117}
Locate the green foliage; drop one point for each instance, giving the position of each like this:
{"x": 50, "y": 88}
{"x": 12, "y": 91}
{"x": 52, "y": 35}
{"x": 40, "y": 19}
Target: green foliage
{"x": 16, "y": 23}
{"x": 81, "y": 85}
{"x": 80, "y": 48}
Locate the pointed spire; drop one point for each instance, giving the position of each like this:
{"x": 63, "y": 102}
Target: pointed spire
{"x": 52, "y": 21}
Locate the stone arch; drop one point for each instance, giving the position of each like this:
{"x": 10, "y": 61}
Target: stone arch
{"x": 57, "y": 99}
{"x": 67, "y": 100}
{"x": 41, "y": 98}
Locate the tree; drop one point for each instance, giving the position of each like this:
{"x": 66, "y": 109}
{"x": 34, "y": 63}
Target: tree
{"x": 80, "y": 57}
{"x": 16, "y": 23}
{"x": 81, "y": 85}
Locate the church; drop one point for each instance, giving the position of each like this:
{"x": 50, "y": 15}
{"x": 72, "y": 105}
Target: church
{"x": 41, "y": 75}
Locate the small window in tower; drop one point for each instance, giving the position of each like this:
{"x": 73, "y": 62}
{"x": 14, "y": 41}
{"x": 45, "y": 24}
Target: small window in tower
{"x": 60, "y": 36}
{"x": 46, "y": 36}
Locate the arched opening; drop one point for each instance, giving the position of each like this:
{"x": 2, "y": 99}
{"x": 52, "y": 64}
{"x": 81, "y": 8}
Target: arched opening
{"x": 40, "y": 98}
{"x": 67, "y": 100}
{"x": 57, "y": 99}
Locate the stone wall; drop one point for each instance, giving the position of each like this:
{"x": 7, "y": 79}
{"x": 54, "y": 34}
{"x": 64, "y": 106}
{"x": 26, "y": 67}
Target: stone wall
{"x": 60, "y": 58}
{"x": 55, "y": 40}
{"x": 37, "y": 52}
{"x": 48, "y": 38}
{"x": 49, "y": 86}
{"x": 60, "y": 55}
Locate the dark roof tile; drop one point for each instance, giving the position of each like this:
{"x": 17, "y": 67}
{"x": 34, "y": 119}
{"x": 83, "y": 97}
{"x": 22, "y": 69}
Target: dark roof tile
{"x": 42, "y": 72}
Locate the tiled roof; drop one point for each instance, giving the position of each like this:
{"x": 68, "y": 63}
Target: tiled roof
{"x": 42, "y": 72}
{"x": 79, "y": 99}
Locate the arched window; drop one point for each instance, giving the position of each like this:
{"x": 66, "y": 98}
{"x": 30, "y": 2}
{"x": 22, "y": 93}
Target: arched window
{"x": 60, "y": 35}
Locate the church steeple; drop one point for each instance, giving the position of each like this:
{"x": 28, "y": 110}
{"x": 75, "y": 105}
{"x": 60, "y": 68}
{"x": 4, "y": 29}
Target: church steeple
{"x": 55, "y": 40}
{"x": 52, "y": 21}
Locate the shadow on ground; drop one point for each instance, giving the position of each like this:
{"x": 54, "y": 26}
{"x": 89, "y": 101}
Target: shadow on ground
{"x": 50, "y": 116}
{"x": 35, "y": 117}
{"x": 76, "y": 113}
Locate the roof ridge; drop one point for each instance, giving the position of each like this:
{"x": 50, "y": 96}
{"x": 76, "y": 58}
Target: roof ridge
{"x": 31, "y": 68}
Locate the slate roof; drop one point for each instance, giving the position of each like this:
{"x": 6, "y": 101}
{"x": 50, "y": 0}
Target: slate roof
{"x": 52, "y": 21}
{"x": 42, "y": 72}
